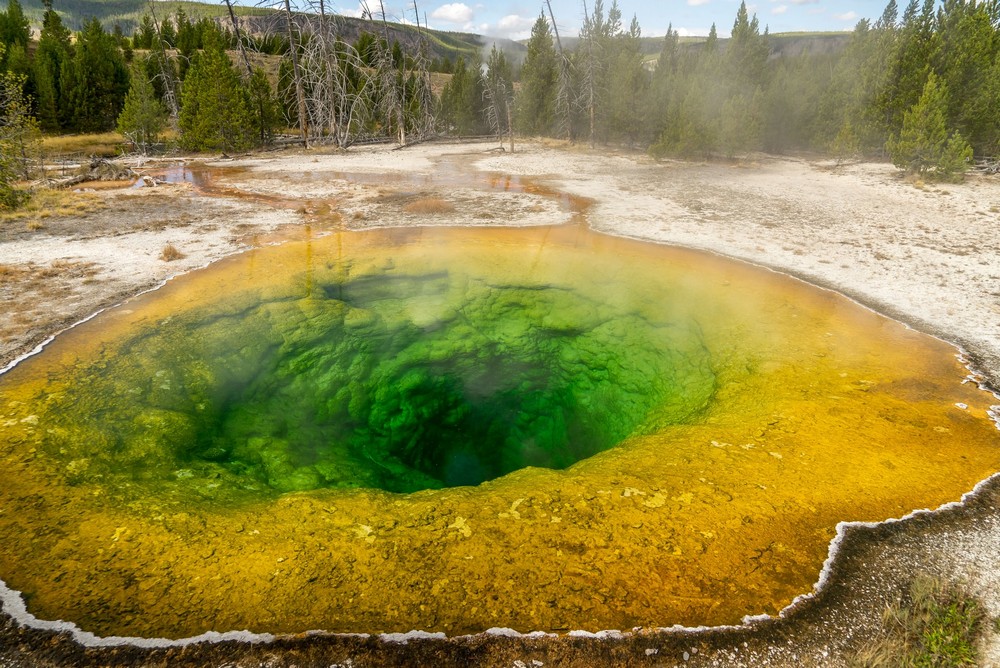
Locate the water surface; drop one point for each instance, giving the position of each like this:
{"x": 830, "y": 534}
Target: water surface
{"x": 457, "y": 429}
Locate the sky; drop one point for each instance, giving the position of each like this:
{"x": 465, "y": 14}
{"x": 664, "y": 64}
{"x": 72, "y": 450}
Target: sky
{"x": 513, "y": 18}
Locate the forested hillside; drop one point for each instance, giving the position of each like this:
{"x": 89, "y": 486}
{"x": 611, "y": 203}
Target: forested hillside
{"x": 918, "y": 87}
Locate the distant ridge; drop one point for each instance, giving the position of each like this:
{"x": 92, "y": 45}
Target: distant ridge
{"x": 451, "y": 45}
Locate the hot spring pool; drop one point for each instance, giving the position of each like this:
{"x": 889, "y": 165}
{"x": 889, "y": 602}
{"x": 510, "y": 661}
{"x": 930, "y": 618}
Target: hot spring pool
{"x": 455, "y": 429}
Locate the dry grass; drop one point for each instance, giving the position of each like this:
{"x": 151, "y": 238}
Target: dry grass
{"x": 106, "y": 144}
{"x": 552, "y": 142}
{"x": 46, "y": 203}
{"x": 41, "y": 276}
{"x": 429, "y": 206}
{"x": 11, "y": 273}
{"x": 170, "y": 253}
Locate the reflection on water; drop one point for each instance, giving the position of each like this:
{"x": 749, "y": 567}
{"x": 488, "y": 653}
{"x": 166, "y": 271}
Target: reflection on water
{"x": 458, "y": 429}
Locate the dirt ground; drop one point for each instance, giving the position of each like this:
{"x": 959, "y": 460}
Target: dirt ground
{"x": 928, "y": 255}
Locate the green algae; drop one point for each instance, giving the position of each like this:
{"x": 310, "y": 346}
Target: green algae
{"x": 387, "y": 379}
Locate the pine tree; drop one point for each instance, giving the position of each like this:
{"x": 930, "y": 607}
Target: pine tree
{"x": 536, "y": 101}
{"x": 909, "y": 66}
{"x": 498, "y": 92}
{"x": 266, "y": 112}
{"x": 14, "y": 28}
{"x": 143, "y": 117}
{"x": 144, "y": 36}
{"x": 94, "y": 82}
{"x": 741, "y": 125}
{"x": 216, "y": 113}
{"x": 593, "y": 58}
{"x": 186, "y": 41}
{"x": 846, "y": 145}
{"x": 746, "y": 53}
{"x": 925, "y": 146}
{"x": 19, "y": 63}
{"x": 462, "y": 100}
{"x": 967, "y": 50}
{"x": 53, "y": 52}
{"x": 627, "y": 86}
{"x": 168, "y": 32}
{"x": 285, "y": 94}
{"x": 664, "y": 85}
{"x": 712, "y": 43}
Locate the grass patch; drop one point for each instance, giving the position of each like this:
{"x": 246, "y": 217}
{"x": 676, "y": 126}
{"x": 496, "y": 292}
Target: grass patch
{"x": 170, "y": 253}
{"x": 935, "y": 625}
{"x": 429, "y": 205}
{"x": 48, "y": 202}
{"x": 41, "y": 277}
{"x": 105, "y": 144}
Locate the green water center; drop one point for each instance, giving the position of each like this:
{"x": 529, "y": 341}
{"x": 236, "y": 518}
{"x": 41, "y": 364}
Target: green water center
{"x": 385, "y": 380}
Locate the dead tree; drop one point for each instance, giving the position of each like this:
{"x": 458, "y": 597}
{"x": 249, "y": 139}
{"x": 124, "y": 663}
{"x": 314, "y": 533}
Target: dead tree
{"x": 498, "y": 93}
{"x": 590, "y": 71}
{"x": 248, "y": 68}
{"x": 300, "y": 95}
{"x": 425, "y": 98}
{"x": 564, "y": 90}
{"x": 389, "y": 81}
{"x": 239, "y": 38}
{"x": 336, "y": 82}
{"x": 166, "y": 69}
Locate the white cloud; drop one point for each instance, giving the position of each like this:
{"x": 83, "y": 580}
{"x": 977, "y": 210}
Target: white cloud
{"x": 513, "y": 22}
{"x": 356, "y": 13}
{"x": 697, "y": 3}
{"x": 455, "y": 12}
{"x": 392, "y": 13}
{"x": 701, "y": 32}
{"x": 805, "y": 2}
{"x": 780, "y": 9}
{"x": 849, "y": 16}
{"x": 511, "y": 26}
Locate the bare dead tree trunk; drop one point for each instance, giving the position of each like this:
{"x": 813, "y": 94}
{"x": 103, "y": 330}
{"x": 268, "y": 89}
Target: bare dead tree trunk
{"x": 590, "y": 74}
{"x": 239, "y": 39}
{"x": 297, "y": 75}
{"x": 247, "y": 66}
{"x": 394, "y": 98}
{"x": 510, "y": 126}
{"x": 421, "y": 66}
{"x": 563, "y": 89}
{"x": 336, "y": 81}
{"x": 169, "y": 90}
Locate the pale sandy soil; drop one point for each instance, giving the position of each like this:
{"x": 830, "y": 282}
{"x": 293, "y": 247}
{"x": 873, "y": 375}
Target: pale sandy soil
{"x": 928, "y": 255}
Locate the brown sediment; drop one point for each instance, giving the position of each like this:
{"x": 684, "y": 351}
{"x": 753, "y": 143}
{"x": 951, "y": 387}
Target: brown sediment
{"x": 868, "y": 574}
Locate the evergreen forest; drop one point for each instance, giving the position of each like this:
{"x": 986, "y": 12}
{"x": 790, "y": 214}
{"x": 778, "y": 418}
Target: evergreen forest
{"x": 919, "y": 87}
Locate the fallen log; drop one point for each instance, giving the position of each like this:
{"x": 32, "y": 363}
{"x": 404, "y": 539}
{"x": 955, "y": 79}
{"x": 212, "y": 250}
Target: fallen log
{"x": 98, "y": 169}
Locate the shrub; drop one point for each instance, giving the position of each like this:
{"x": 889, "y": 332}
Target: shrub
{"x": 170, "y": 253}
